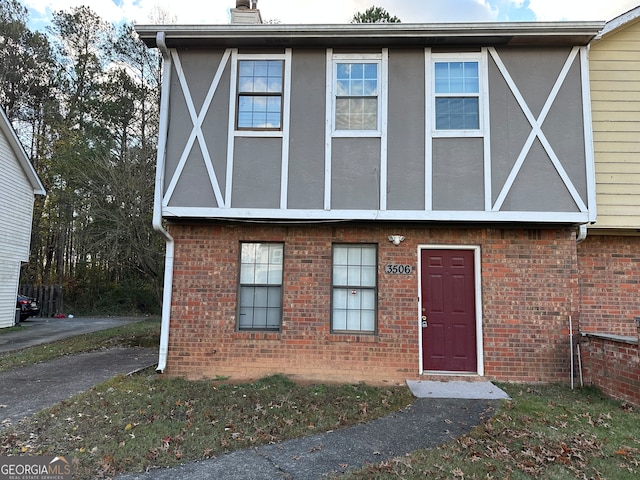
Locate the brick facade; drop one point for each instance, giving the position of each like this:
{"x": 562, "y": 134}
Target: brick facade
{"x": 529, "y": 289}
{"x": 609, "y": 267}
{"x": 613, "y": 365}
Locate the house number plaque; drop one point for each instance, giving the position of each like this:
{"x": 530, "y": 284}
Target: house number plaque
{"x": 398, "y": 269}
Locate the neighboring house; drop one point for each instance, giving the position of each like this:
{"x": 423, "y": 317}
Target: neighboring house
{"x": 19, "y": 184}
{"x": 373, "y": 202}
{"x": 609, "y": 257}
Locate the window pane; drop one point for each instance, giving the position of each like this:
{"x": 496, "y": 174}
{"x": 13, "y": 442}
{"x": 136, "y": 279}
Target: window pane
{"x": 368, "y": 277}
{"x": 273, "y": 318}
{"x": 369, "y": 256}
{"x": 353, "y": 300}
{"x": 340, "y": 275}
{"x": 339, "y": 319}
{"x": 353, "y": 320}
{"x": 368, "y": 321}
{"x": 371, "y": 71}
{"x": 247, "y": 273}
{"x": 340, "y": 298}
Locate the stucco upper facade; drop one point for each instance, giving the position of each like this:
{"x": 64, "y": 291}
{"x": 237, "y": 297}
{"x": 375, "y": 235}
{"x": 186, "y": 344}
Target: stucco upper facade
{"x": 528, "y": 157}
{"x": 615, "y": 96}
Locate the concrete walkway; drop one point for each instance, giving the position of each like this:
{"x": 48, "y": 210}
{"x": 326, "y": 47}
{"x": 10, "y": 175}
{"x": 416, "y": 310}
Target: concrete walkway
{"x": 426, "y": 423}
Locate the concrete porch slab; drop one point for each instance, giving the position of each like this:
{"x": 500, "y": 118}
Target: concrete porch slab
{"x": 456, "y": 389}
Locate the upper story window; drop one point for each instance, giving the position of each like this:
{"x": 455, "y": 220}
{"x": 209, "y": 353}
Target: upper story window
{"x": 357, "y": 96}
{"x": 457, "y": 95}
{"x": 357, "y": 93}
{"x": 457, "y": 85}
{"x": 260, "y": 94}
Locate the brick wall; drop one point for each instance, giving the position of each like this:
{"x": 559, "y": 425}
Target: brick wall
{"x": 614, "y": 366}
{"x": 529, "y": 288}
{"x": 609, "y": 267}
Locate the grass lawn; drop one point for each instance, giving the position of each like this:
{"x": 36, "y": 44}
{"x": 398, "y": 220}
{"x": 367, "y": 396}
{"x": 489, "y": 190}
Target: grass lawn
{"x": 544, "y": 432}
{"x": 131, "y": 423}
{"x": 145, "y": 333}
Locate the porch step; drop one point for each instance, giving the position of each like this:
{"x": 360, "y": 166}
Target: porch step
{"x": 456, "y": 389}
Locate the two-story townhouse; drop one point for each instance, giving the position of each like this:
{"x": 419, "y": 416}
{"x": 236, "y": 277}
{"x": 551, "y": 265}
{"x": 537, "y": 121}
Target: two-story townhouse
{"x": 372, "y": 202}
{"x": 610, "y": 255}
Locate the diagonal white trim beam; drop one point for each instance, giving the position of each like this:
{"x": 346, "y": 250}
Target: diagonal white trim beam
{"x": 536, "y": 130}
{"x": 197, "y": 120}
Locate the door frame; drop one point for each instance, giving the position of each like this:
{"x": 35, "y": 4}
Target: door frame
{"x": 478, "y": 310}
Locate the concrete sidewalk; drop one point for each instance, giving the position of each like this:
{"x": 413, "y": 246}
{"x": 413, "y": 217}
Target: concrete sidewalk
{"x": 426, "y": 423}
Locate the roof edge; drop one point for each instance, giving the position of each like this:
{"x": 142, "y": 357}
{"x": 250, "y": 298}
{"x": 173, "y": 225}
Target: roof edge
{"x": 580, "y": 32}
{"x": 18, "y": 149}
{"x": 619, "y": 22}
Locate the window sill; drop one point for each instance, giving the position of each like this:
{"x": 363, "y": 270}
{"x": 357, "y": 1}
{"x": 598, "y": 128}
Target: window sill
{"x": 245, "y": 335}
{"x": 353, "y": 338}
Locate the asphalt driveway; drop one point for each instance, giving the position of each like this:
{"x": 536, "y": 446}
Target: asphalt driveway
{"x": 36, "y": 331}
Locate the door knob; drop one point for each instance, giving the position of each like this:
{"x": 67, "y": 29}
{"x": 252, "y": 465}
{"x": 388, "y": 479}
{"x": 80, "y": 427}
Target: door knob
{"x": 424, "y": 321}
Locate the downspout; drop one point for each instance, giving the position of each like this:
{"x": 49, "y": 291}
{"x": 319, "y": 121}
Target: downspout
{"x": 157, "y": 203}
{"x": 582, "y": 234}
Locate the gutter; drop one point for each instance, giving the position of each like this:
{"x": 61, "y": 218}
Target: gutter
{"x": 157, "y": 203}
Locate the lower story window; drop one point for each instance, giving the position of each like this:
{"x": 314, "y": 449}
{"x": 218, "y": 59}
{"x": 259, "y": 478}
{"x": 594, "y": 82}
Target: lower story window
{"x": 260, "y": 305}
{"x": 354, "y": 288}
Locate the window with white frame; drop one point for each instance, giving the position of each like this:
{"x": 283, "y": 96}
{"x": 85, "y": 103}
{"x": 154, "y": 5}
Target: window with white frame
{"x": 260, "y": 94}
{"x": 457, "y": 100}
{"x": 354, "y": 288}
{"x": 356, "y": 92}
{"x": 260, "y": 291}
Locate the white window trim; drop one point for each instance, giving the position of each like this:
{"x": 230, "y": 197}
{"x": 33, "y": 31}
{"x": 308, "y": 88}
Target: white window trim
{"x": 382, "y": 60}
{"x": 483, "y": 103}
{"x": 284, "y": 131}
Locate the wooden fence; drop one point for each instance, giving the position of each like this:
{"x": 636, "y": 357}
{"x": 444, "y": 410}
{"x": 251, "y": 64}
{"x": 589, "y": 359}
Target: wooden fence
{"x": 49, "y": 297}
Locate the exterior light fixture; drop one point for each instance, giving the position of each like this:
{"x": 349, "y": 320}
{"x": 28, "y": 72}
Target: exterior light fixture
{"x": 396, "y": 239}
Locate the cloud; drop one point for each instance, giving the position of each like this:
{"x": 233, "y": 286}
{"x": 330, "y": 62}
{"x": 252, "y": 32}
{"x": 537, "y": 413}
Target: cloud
{"x": 548, "y": 10}
{"x": 341, "y": 11}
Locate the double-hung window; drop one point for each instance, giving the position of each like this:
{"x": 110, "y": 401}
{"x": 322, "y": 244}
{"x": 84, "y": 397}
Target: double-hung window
{"x": 260, "y": 94}
{"x": 457, "y": 99}
{"x": 357, "y": 94}
{"x": 354, "y": 289}
{"x": 260, "y": 303}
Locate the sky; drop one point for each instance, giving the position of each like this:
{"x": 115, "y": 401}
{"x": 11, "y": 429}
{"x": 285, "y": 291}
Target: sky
{"x": 336, "y": 11}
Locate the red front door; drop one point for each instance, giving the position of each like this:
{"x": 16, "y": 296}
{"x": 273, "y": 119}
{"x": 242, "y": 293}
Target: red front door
{"x": 448, "y": 311}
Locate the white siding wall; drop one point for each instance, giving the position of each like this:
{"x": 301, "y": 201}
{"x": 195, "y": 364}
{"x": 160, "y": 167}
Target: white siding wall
{"x": 615, "y": 99}
{"x": 16, "y": 209}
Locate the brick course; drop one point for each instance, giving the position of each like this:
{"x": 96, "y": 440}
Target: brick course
{"x": 609, "y": 267}
{"x": 529, "y": 289}
{"x": 614, "y": 366}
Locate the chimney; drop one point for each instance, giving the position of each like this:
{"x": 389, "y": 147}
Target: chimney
{"x": 246, "y": 13}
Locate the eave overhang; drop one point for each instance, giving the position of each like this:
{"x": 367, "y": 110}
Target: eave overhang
{"x": 373, "y": 35}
